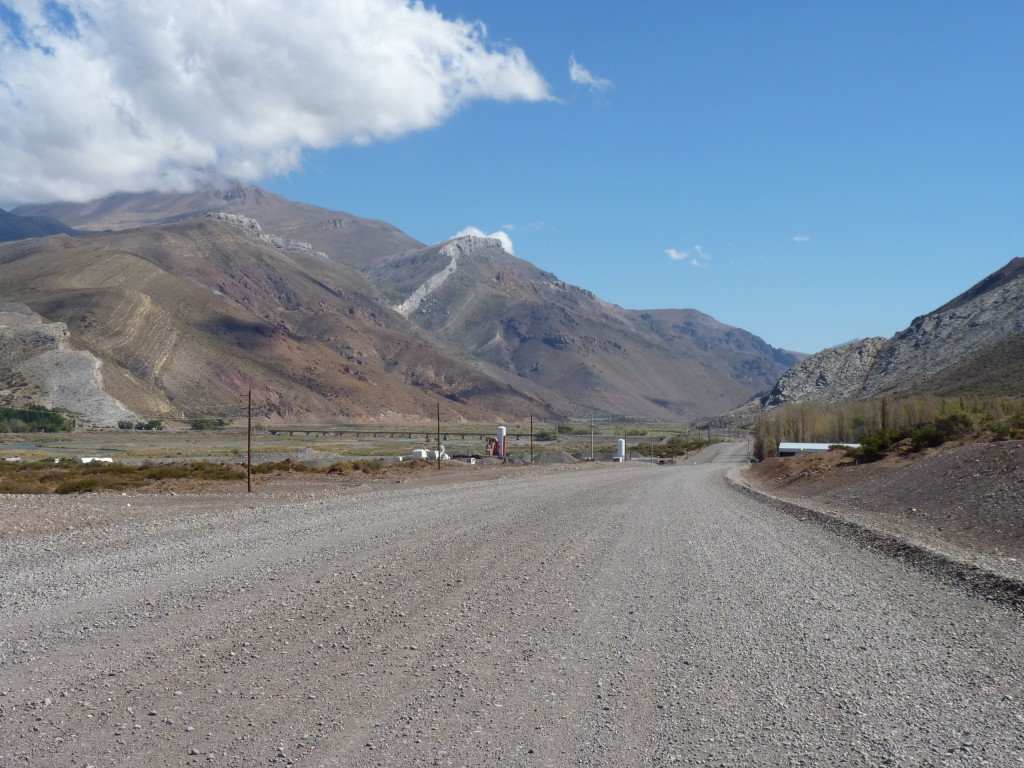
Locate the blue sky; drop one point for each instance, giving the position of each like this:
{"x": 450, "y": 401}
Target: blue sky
{"x": 811, "y": 172}
{"x": 842, "y": 167}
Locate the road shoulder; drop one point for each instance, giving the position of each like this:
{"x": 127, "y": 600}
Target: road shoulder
{"x": 993, "y": 578}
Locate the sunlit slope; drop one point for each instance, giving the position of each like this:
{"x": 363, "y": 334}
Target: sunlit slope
{"x": 188, "y": 317}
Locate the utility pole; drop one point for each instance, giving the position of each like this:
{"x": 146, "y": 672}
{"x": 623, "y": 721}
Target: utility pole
{"x": 531, "y": 438}
{"x": 248, "y": 461}
{"x": 439, "y": 437}
{"x": 591, "y": 437}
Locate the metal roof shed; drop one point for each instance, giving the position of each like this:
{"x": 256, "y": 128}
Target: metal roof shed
{"x": 796, "y": 449}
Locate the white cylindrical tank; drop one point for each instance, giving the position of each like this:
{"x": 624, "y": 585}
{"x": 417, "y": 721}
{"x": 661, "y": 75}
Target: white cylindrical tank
{"x": 420, "y": 453}
{"x": 502, "y": 432}
{"x": 621, "y": 455}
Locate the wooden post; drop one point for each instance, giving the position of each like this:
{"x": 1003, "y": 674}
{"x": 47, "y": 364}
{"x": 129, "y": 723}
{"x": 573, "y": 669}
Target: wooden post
{"x": 531, "y": 438}
{"x": 248, "y": 462}
{"x": 439, "y": 436}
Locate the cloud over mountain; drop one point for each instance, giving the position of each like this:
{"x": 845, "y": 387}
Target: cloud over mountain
{"x": 501, "y": 236}
{"x": 105, "y": 95}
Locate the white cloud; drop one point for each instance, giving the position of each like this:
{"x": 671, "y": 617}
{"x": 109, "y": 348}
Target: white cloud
{"x": 506, "y": 241}
{"x": 801, "y": 238}
{"x": 104, "y": 95}
{"x": 696, "y": 257}
{"x": 582, "y": 76}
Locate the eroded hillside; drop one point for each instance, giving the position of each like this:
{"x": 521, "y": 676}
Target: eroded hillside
{"x": 186, "y": 318}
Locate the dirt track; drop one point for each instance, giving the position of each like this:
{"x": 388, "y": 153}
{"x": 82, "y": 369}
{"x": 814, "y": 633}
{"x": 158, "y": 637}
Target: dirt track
{"x": 609, "y": 616}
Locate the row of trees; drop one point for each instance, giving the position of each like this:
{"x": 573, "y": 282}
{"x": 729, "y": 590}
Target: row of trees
{"x": 37, "y": 418}
{"x": 886, "y": 420}
{"x": 148, "y": 425}
{"x": 34, "y": 418}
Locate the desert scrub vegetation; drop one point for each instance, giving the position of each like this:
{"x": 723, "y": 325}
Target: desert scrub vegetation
{"x": 47, "y": 477}
{"x": 678, "y": 445}
{"x": 881, "y": 423}
{"x": 66, "y": 477}
{"x": 205, "y": 424}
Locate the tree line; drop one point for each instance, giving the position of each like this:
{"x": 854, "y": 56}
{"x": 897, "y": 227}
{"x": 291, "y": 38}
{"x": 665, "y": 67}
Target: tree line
{"x": 34, "y": 418}
{"x": 881, "y": 422}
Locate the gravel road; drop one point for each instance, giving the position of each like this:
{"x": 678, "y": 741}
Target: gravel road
{"x": 623, "y": 615}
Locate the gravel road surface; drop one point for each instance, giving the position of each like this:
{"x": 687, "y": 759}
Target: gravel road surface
{"x": 624, "y": 615}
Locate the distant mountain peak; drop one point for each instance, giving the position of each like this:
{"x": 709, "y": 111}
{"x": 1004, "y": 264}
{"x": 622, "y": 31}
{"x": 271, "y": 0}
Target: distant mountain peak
{"x": 470, "y": 244}
{"x": 15, "y": 227}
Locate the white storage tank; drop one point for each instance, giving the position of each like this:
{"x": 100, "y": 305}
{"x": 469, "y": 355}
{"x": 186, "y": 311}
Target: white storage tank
{"x": 621, "y": 454}
{"x": 502, "y": 433}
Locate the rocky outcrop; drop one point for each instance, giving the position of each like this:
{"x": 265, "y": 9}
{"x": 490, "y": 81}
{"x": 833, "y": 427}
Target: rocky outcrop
{"x": 947, "y": 337}
{"x": 252, "y": 228}
{"x": 982, "y": 318}
{"x": 452, "y": 250}
{"x": 831, "y": 376}
{"x": 37, "y": 356}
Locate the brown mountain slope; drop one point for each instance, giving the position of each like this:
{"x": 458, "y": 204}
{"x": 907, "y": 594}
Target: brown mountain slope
{"x": 349, "y": 239}
{"x": 476, "y": 300}
{"x": 666, "y": 364}
{"x": 187, "y": 317}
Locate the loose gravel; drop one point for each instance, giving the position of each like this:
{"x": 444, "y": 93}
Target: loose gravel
{"x": 594, "y": 616}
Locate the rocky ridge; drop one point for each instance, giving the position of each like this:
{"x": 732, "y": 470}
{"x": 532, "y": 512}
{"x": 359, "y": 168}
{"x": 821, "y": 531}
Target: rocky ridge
{"x": 986, "y": 316}
{"x": 453, "y": 250}
{"x": 252, "y": 228}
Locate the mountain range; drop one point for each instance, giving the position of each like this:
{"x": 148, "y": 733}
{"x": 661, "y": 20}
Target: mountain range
{"x": 188, "y": 301}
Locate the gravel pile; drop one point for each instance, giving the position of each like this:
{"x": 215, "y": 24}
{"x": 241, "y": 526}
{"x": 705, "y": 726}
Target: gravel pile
{"x": 554, "y": 457}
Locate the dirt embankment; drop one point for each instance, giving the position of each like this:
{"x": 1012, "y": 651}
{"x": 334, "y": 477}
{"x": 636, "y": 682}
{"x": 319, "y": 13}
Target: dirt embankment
{"x": 966, "y": 500}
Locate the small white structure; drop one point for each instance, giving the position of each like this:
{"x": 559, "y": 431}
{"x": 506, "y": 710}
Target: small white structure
{"x": 796, "y": 449}
{"x": 423, "y": 453}
{"x": 620, "y": 454}
{"x": 94, "y": 459}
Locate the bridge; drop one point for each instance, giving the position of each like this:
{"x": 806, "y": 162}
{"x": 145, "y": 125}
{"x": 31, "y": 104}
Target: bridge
{"x": 402, "y": 433}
